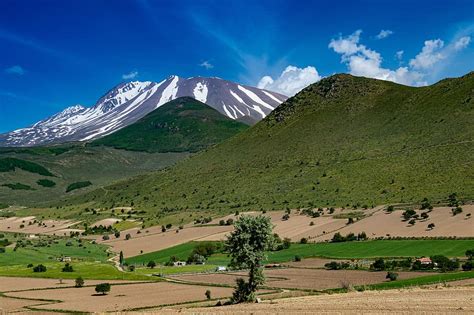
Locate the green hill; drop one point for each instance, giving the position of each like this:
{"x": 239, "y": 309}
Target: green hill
{"x": 343, "y": 141}
{"x": 182, "y": 125}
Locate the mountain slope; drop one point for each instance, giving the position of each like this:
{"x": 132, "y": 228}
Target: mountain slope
{"x": 128, "y": 102}
{"x": 181, "y": 125}
{"x": 343, "y": 141}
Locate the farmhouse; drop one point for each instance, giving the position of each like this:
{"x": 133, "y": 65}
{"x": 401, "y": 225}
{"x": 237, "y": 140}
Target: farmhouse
{"x": 179, "y": 263}
{"x": 65, "y": 259}
{"x": 424, "y": 260}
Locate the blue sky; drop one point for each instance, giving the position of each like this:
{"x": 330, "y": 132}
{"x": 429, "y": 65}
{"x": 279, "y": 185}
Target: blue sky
{"x": 54, "y": 54}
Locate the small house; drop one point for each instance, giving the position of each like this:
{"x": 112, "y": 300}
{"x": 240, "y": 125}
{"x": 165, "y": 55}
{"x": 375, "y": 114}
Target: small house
{"x": 221, "y": 268}
{"x": 179, "y": 263}
{"x": 65, "y": 259}
{"x": 424, "y": 260}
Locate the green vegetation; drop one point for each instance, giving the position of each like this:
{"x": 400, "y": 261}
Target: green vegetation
{"x": 10, "y": 164}
{"x": 18, "y": 186}
{"x": 78, "y": 185}
{"x": 347, "y": 250}
{"x": 55, "y": 150}
{"x": 344, "y": 141}
{"x": 125, "y": 225}
{"x": 182, "y": 125}
{"x": 46, "y": 183}
{"x": 103, "y": 288}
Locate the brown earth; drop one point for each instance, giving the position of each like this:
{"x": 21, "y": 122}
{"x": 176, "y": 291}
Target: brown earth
{"x": 52, "y": 227}
{"x": 122, "y": 297}
{"x": 459, "y": 300}
{"x": 307, "y": 279}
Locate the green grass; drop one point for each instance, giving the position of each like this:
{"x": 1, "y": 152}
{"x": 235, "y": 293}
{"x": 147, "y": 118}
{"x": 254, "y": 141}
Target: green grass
{"x": 342, "y": 141}
{"x": 168, "y": 270}
{"x": 87, "y": 270}
{"x": 182, "y": 125}
{"x": 78, "y": 185}
{"x": 10, "y": 164}
{"x": 46, "y": 183}
{"x": 125, "y": 225}
{"x": 31, "y": 254}
{"x": 348, "y": 250}
{"x": 18, "y": 186}
{"x": 100, "y": 165}
{"x": 424, "y": 280}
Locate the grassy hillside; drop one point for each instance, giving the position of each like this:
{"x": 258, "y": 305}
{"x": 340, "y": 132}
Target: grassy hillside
{"x": 74, "y": 164}
{"x": 182, "y": 125}
{"x": 343, "y": 141}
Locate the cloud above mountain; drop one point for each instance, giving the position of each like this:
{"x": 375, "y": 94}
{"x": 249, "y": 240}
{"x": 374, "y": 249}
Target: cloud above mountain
{"x": 291, "y": 80}
{"x": 130, "y": 75}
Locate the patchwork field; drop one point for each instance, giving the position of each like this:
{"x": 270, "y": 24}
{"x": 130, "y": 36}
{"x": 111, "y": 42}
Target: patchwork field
{"x": 121, "y": 297}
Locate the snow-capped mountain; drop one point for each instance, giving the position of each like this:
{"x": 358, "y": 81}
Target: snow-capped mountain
{"x": 128, "y": 102}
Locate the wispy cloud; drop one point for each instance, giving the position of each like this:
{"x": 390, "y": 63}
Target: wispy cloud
{"x": 384, "y": 34}
{"x": 130, "y": 75}
{"x": 206, "y": 64}
{"x": 16, "y": 69}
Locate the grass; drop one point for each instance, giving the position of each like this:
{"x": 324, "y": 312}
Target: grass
{"x": 424, "y": 280}
{"x": 342, "y": 141}
{"x": 125, "y": 225}
{"x": 10, "y": 164}
{"x": 168, "y": 270}
{"x": 346, "y": 250}
{"x": 182, "y": 125}
{"x": 87, "y": 270}
{"x": 101, "y": 166}
{"x": 31, "y": 254}
{"x": 18, "y": 186}
{"x": 78, "y": 185}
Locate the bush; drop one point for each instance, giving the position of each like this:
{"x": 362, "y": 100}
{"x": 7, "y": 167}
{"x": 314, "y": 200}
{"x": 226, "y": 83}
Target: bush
{"x": 221, "y": 222}
{"x": 297, "y": 258}
{"x": 444, "y": 263}
{"x": 408, "y": 214}
{"x": 29, "y": 266}
{"x": 303, "y": 240}
{"x": 334, "y": 265}
{"x": 468, "y": 266}
{"x": 285, "y": 217}
{"x": 286, "y": 243}
{"x": 68, "y": 268}
{"x": 103, "y": 288}
{"x": 128, "y": 236}
{"x": 456, "y": 210}
{"x": 390, "y": 208}
{"x": 151, "y": 264}
{"x": 77, "y": 185}
{"x": 105, "y": 238}
{"x": 378, "y": 265}
{"x": 392, "y": 276}
{"x": 39, "y": 268}
{"x": 2, "y": 250}
{"x": 46, "y": 183}
{"x": 79, "y": 282}
{"x": 229, "y": 221}
{"x": 208, "y": 294}
{"x": 431, "y": 226}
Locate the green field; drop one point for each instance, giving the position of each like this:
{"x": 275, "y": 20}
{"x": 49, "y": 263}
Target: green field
{"x": 87, "y": 270}
{"x": 349, "y": 250}
{"x": 32, "y": 254}
{"x": 344, "y": 141}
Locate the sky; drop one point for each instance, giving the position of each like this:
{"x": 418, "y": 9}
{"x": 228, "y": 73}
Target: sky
{"x": 54, "y": 54}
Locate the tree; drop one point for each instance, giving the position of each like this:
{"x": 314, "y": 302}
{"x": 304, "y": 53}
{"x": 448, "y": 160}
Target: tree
{"x": 121, "y": 258}
{"x": 412, "y": 222}
{"x": 378, "y": 265}
{"x": 468, "y": 265}
{"x": 431, "y": 226}
{"x": 286, "y": 243}
{"x": 39, "y": 268}
{"x": 337, "y": 238}
{"x": 222, "y": 222}
{"x": 424, "y": 215}
{"x": 392, "y": 276}
{"x": 103, "y": 288}
{"x": 390, "y": 208}
{"x": 246, "y": 245}
{"x": 350, "y": 220}
{"x": 303, "y": 240}
{"x": 128, "y": 236}
{"x": 79, "y": 282}
{"x": 285, "y": 217}
{"x": 151, "y": 264}
{"x": 208, "y": 294}
{"x": 68, "y": 268}
{"x": 456, "y": 210}
{"x": 470, "y": 254}
{"x": 117, "y": 234}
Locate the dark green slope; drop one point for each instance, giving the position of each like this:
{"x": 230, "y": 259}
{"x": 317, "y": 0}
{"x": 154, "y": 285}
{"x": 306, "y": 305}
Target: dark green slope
{"x": 182, "y": 125}
{"x": 344, "y": 140}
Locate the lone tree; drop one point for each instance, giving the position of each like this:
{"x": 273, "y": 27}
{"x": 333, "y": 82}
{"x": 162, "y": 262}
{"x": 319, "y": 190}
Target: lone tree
{"x": 103, "y": 288}
{"x": 79, "y": 282}
{"x": 151, "y": 264}
{"x": 252, "y": 236}
{"x": 121, "y": 258}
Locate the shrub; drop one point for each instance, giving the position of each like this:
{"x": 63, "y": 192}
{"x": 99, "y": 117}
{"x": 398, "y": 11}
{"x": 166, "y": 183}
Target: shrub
{"x": 456, "y": 210}
{"x": 208, "y": 294}
{"x": 392, "y": 276}
{"x": 68, "y": 268}
{"x": 103, "y": 288}
{"x": 470, "y": 254}
{"x": 378, "y": 265}
{"x": 285, "y": 217}
{"x": 2, "y": 250}
{"x": 468, "y": 265}
{"x": 444, "y": 263}
{"x": 303, "y": 240}
{"x": 431, "y": 226}
{"x": 105, "y": 238}
{"x": 117, "y": 234}
{"x": 286, "y": 243}
{"x": 151, "y": 264}
{"x": 221, "y": 222}
{"x": 77, "y": 185}
{"x": 39, "y": 268}
{"x": 297, "y": 258}
{"x": 390, "y": 208}
{"x": 79, "y": 282}
{"x": 407, "y": 214}
{"x": 46, "y": 183}
{"x": 29, "y": 266}
{"x": 128, "y": 236}
{"x": 229, "y": 221}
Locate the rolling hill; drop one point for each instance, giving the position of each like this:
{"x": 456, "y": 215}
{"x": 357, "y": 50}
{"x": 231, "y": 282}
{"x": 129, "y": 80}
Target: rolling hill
{"x": 181, "y": 125}
{"x": 344, "y": 141}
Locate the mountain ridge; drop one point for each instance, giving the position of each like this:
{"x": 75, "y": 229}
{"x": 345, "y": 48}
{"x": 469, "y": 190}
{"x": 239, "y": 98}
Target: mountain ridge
{"x": 127, "y": 102}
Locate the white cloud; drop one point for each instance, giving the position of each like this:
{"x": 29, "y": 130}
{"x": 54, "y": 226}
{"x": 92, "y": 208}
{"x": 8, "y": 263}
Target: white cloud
{"x": 18, "y": 70}
{"x": 430, "y": 54}
{"x": 291, "y": 80}
{"x": 206, "y": 64}
{"x": 462, "y": 43}
{"x": 384, "y": 34}
{"x": 399, "y": 55}
{"x": 363, "y": 61}
{"x": 130, "y": 75}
